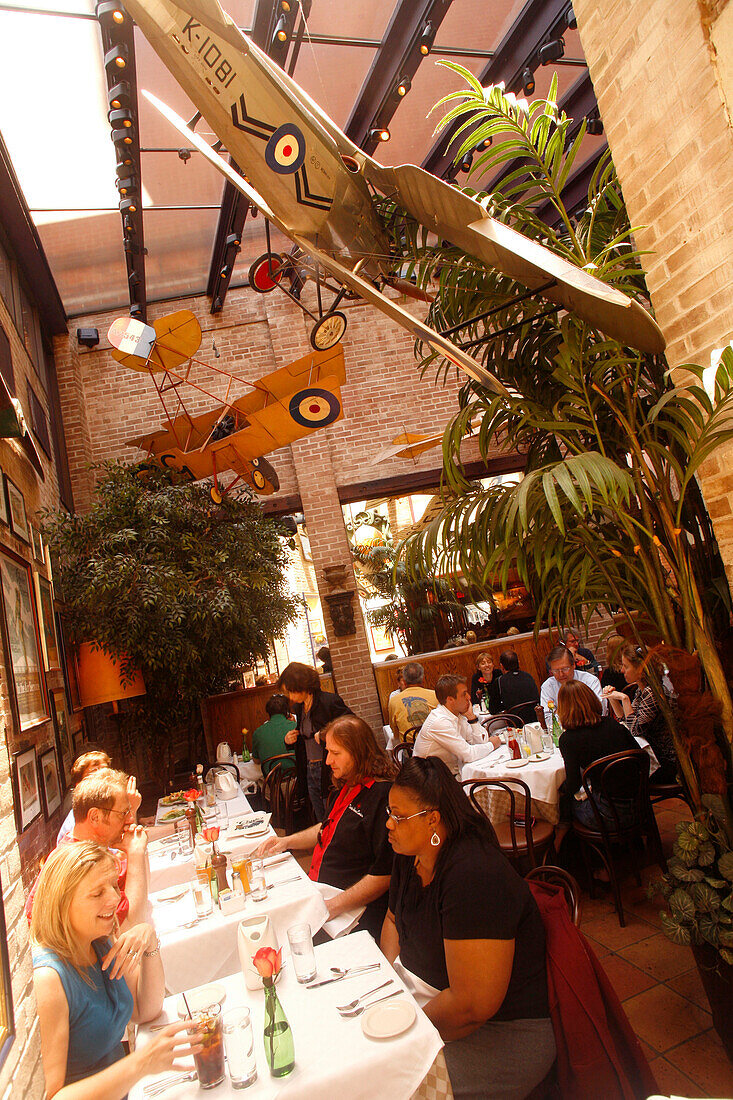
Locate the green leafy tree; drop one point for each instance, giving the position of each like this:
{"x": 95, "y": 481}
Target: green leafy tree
{"x": 184, "y": 590}
{"x": 609, "y": 514}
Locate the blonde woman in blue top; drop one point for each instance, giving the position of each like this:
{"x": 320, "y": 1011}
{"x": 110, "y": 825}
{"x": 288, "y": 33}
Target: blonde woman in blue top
{"x": 90, "y": 981}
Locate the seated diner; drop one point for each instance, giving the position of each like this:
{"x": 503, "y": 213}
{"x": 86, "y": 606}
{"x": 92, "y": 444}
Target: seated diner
{"x": 350, "y": 849}
{"x": 452, "y": 731}
{"x": 465, "y": 933}
{"x": 90, "y": 980}
{"x": 268, "y": 740}
{"x": 642, "y": 714}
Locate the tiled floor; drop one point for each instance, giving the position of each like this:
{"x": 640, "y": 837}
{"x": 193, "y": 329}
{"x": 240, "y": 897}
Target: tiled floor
{"x": 658, "y": 983}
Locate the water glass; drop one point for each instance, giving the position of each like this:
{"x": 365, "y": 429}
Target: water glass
{"x": 548, "y": 744}
{"x": 257, "y": 881}
{"x": 300, "y": 939}
{"x": 239, "y": 1044}
{"x": 210, "y": 1060}
{"x": 210, "y": 794}
{"x": 183, "y": 836}
{"x": 202, "y": 899}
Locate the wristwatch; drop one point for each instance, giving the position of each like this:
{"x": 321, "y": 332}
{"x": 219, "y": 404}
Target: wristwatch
{"x": 472, "y": 721}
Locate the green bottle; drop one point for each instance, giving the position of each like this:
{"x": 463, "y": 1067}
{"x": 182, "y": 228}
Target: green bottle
{"x": 556, "y": 729}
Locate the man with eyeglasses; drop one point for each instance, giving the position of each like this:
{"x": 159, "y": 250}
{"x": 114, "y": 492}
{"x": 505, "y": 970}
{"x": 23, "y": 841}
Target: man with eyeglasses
{"x": 103, "y": 814}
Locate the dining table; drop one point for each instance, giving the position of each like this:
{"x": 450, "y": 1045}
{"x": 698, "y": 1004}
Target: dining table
{"x": 334, "y": 1055}
{"x": 544, "y": 774}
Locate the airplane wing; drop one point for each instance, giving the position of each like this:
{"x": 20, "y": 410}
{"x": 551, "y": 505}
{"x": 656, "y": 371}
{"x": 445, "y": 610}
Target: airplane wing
{"x": 464, "y": 222}
{"x": 363, "y": 288}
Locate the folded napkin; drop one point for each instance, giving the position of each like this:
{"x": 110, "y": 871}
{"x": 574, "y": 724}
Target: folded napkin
{"x": 343, "y": 924}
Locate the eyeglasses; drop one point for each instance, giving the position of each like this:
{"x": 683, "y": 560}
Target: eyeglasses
{"x": 122, "y": 813}
{"x": 398, "y": 818}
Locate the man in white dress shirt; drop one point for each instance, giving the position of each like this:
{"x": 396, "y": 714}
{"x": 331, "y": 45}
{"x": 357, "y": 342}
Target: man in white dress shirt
{"x": 452, "y": 731}
{"x": 561, "y": 663}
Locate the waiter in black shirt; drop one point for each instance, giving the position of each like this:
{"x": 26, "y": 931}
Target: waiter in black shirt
{"x": 350, "y": 848}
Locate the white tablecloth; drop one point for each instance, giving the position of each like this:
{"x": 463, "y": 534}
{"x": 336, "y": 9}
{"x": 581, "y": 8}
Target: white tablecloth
{"x": 333, "y": 1057}
{"x": 208, "y": 951}
{"x": 543, "y": 777}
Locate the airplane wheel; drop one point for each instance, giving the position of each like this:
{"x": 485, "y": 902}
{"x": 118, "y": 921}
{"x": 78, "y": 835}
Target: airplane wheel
{"x": 215, "y": 495}
{"x": 327, "y": 332}
{"x": 266, "y": 272}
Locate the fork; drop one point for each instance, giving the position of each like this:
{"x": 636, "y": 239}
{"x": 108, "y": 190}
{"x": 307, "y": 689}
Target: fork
{"x": 355, "y": 1002}
{"x": 157, "y": 1087}
{"x": 362, "y": 1008}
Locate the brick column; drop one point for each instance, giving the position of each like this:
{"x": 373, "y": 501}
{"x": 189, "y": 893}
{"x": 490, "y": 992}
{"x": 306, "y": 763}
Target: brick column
{"x": 661, "y": 89}
{"x": 314, "y": 466}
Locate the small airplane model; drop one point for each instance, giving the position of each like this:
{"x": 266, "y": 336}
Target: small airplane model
{"x": 317, "y": 187}
{"x": 13, "y": 425}
{"x": 285, "y": 405}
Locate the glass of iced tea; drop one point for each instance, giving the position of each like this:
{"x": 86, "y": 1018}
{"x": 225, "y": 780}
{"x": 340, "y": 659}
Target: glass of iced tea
{"x": 210, "y": 1060}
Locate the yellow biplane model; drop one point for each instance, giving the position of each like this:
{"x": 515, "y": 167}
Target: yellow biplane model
{"x": 318, "y": 188}
{"x": 285, "y": 405}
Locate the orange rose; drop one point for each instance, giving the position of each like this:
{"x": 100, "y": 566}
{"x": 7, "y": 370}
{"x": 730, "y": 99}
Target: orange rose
{"x": 192, "y": 796}
{"x": 211, "y": 834}
{"x": 267, "y": 961}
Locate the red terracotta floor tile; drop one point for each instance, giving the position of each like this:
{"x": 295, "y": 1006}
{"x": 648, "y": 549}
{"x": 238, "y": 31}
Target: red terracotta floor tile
{"x": 627, "y": 980}
{"x": 704, "y": 1061}
{"x": 593, "y": 908}
{"x": 649, "y": 1054}
{"x": 659, "y": 957}
{"x": 671, "y": 1081}
{"x": 663, "y": 1019}
{"x": 690, "y": 986}
{"x": 608, "y": 931}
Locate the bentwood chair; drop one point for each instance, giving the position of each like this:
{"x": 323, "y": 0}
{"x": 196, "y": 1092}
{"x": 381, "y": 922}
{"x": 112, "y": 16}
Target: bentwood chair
{"x": 501, "y": 721}
{"x": 520, "y": 839}
{"x": 408, "y": 737}
{"x": 558, "y": 876}
{"x": 401, "y": 753}
{"x": 277, "y": 792}
{"x": 630, "y": 770}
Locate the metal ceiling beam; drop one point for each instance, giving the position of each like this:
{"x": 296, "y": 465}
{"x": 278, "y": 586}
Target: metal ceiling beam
{"x": 538, "y": 21}
{"x": 398, "y": 56}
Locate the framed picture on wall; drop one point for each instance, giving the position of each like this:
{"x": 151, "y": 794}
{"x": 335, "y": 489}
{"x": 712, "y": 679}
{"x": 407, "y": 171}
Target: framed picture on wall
{"x": 16, "y": 510}
{"x": 27, "y": 793}
{"x": 50, "y": 782}
{"x": 4, "y": 515}
{"x": 22, "y": 640}
{"x": 37, "y": 544}
{"x": 47, "y": 622}
{"x": 7, "y": 1016}
{"x": 62, "y": 725}
{"x": 381, "y": 639}
{"x": 68, "y": 667}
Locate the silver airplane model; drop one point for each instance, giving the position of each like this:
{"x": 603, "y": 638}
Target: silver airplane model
{"x": 308, "y": 179}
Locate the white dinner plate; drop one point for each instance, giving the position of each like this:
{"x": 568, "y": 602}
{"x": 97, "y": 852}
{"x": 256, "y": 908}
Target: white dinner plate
{"x": 173, "y": 893}
{"x": 389, "y": 1019}
{"x": 171, "y": 815}
{"x": 253, "y": 825}
{"x": 201, "y": 998}
{"x": 516, "y": 763}
{"x": 541, "y": 756}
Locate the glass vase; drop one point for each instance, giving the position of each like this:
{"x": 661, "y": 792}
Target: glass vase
{"x": 279, "y": 1047}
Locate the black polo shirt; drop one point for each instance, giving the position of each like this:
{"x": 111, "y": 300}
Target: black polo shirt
{"x": 359, "y": 846}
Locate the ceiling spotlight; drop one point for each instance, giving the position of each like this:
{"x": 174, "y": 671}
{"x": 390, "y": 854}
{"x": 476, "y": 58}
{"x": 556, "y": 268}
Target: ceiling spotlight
{"x": 466, "y": 162}
{"x": 427, "y": 37}
{"x": 126, "y": 185}
{"x": 110, "y": 11}
{"x": 120, "y": 117}
{"x": 136, "y": 311}
{"x": 225, "y": 271}
{"x": 125, "y": 154}
{"x": 570, "y": 21}
{"x": 122, "y": 137}
{"x": 484, "y": 144}
{"x": 379, "y": 133}
{"x": 116, "y": 58}
{"x": 216, "y": 305}
{"x": 281, "y": 31}
{"x": 119, "y": 95}
{"x": 528, "y": 81}
{"x": 594, "y": 125}
{"x": 88, "y": 337}
{"x": 285, "y": 5}
{"x": 552, "y": 51}
{"x": 404, "y": 86}
{"x": 233, "y": 241}
{"x": 133, "y": 278}
{"x": 128, "y": 206}
{"x": 127, "y": 225}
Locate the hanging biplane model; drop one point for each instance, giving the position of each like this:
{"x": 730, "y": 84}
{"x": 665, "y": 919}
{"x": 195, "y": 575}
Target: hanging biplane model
{"x": 285, "y": 405}
{"x": 317, "y": 187}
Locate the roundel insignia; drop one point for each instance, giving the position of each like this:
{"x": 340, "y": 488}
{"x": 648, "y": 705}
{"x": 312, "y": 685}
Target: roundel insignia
{"x": 314, "y": 408}
{"x": 258, "y": 479}
{"x": 285, "y": 151}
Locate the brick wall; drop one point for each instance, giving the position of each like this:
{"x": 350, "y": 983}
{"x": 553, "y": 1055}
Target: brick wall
{"x": 21, "y": 1075}
{"x": 661, "y": 92}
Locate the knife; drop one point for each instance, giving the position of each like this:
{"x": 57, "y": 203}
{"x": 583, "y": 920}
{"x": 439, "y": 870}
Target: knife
{"x": 340, "y": 978}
